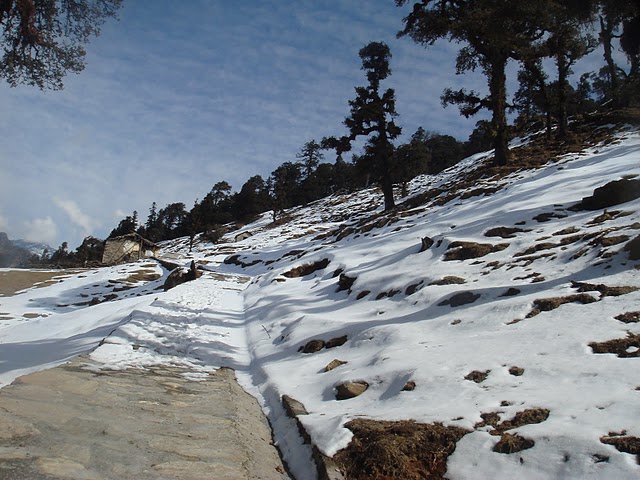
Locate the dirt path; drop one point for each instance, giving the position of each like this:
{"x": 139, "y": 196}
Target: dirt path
{"x": 14, "y": 280}
{"x": 70, "y": 423}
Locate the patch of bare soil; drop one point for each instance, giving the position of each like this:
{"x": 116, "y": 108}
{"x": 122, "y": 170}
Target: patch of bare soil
{"x": 548, "y": 304}
{"x": 307, "y": 269}
{"x": 629, "y": 317}
{"x": 625, "y": 444}
{"x": 398, "y": 450}
{"x": 503, "y": 232}
{"x": 512, "y": 443}
{"x": 12, "y": 281}
{"x": 605, "y": 290}
{"x": 449, "y": 280}
{"x": 143, "y": 275}
{"x": 468, "y": 250}
{"x": 622, "y": 347}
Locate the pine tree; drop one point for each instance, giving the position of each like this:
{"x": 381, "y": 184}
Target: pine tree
{"x": 42, "y": 40}
{"x": 372, "y": 114}
{"x": 494, "y": 32}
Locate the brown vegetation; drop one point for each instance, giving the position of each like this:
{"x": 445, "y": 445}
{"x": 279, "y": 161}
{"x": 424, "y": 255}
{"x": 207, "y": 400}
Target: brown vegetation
{"x": 307, "y": 269}
{"x": 548, "y": 304}
{"x": 398, "y": 450}
{"x": 622, "y": 347}
{"x": 468, "y": 250}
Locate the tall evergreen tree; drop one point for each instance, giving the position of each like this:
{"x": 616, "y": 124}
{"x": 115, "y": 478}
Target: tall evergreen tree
{"x": 495, "y": 31}
{"x": 372, "y": 114}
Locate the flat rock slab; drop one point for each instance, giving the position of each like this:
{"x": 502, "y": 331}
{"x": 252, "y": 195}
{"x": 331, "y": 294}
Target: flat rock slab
{"x": 72, "y": 423}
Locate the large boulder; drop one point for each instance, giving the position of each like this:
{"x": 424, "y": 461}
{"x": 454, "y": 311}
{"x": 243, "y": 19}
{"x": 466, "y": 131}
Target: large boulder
{"x": 613, "y": 193}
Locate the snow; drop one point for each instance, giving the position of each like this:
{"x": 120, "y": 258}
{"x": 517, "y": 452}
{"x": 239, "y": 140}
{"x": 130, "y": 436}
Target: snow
{"x": 255, "y": 319}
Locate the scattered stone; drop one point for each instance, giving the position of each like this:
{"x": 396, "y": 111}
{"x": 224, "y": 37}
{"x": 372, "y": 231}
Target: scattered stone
{"x": 612, "y": 193}
{"x": 512, "y": 443}
{"x": 333, "y": 364}
{"x": 425, "y": 244}
{"x": 313, "y": 346}
{"x": 511, "y": 292}
{"x": 457, "y": 321}
{"x": 336, "y": 342}
{"x": 348, "y": 390}
{"x": 410, "y": 386}
{"x": 633, "y": 247}
{"x": 179, "y": 276}
{"x": 345, "y": 282}
{"x": 516, "y": 371}
{"x": 459, "y": 299}
{"x": 363, "y": 294}
{"x": 477, "y": 376}
{"x": 411, "y": 289}
{"x": 293, "y": 407}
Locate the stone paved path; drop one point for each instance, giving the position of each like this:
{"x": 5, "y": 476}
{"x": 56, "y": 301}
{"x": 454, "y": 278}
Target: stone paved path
{"x": 70, "y": 423}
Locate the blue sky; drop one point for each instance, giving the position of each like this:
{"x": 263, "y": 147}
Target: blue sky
{"x": 177, "y": 96}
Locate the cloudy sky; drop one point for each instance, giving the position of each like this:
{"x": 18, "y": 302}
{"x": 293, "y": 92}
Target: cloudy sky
{"x": 177, "y": 96}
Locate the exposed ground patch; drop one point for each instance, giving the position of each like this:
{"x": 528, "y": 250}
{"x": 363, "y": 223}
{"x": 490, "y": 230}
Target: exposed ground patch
{"x": 548, "y": 304}
{"x": 403, "y": 449}
{"x": 628, "y": 347}
{"x": 468, "y": 250}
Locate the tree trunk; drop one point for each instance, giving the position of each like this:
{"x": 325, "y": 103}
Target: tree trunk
{"x": 606, "y": 37}
{"x": 563, "y": 69}
{"x": 387, "y": 191}
{"x": 498, "y": 93}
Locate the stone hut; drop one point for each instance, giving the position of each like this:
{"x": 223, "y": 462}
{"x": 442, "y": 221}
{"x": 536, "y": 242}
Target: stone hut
{"x": 127, "y": 248}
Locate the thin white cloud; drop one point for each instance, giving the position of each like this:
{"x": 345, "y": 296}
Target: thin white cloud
{"x": 77, "y": 216}
{"x": 40, "y": 230}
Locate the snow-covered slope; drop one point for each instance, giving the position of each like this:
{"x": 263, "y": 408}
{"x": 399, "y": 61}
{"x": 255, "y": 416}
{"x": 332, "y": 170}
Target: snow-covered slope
{"x": 492, "y": 305}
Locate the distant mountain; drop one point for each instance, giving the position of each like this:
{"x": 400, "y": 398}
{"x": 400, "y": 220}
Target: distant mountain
{"x": 34, "y": 248}
{"x": 17, "y": 253}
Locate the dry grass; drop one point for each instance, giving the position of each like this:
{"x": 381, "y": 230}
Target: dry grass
{"x": 512, "y": 443}
{"x": 503, "y": 232}
{"x": 622, "y": 347}
{"x": 468, "y": 250}
{"x": 307, "y": 269}
{"x": 625, "y": 444}
{"x": 548, "y": 304}
{"x": 449, "y": 280}
{"x": 398, "y": 450}
{"x": 605, "y": 290}
{"x": 629, "y": 317}
{"x": 12, "y": 281}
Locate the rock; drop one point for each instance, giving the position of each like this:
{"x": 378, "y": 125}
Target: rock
{"x": 348, "y": 390}
{"x": 477, "y": 376}
{"x": 633, "y": 247}
{"x": 613, "y": 193}
{"x": 511, "y": 292}
{"x": 459, "y": 299}
{"x": 313, "y": 346}
{"x": 425, "y": 244}
{"x": 516, "y": 371}
{"x": 336, "y": 342}
{"x": 293, "y": 407}
{"x": 333, "y": 364}
{"x": 345, "y": 282}
{"x": 410, "y": 386}
{"x": 179, "y": 276}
